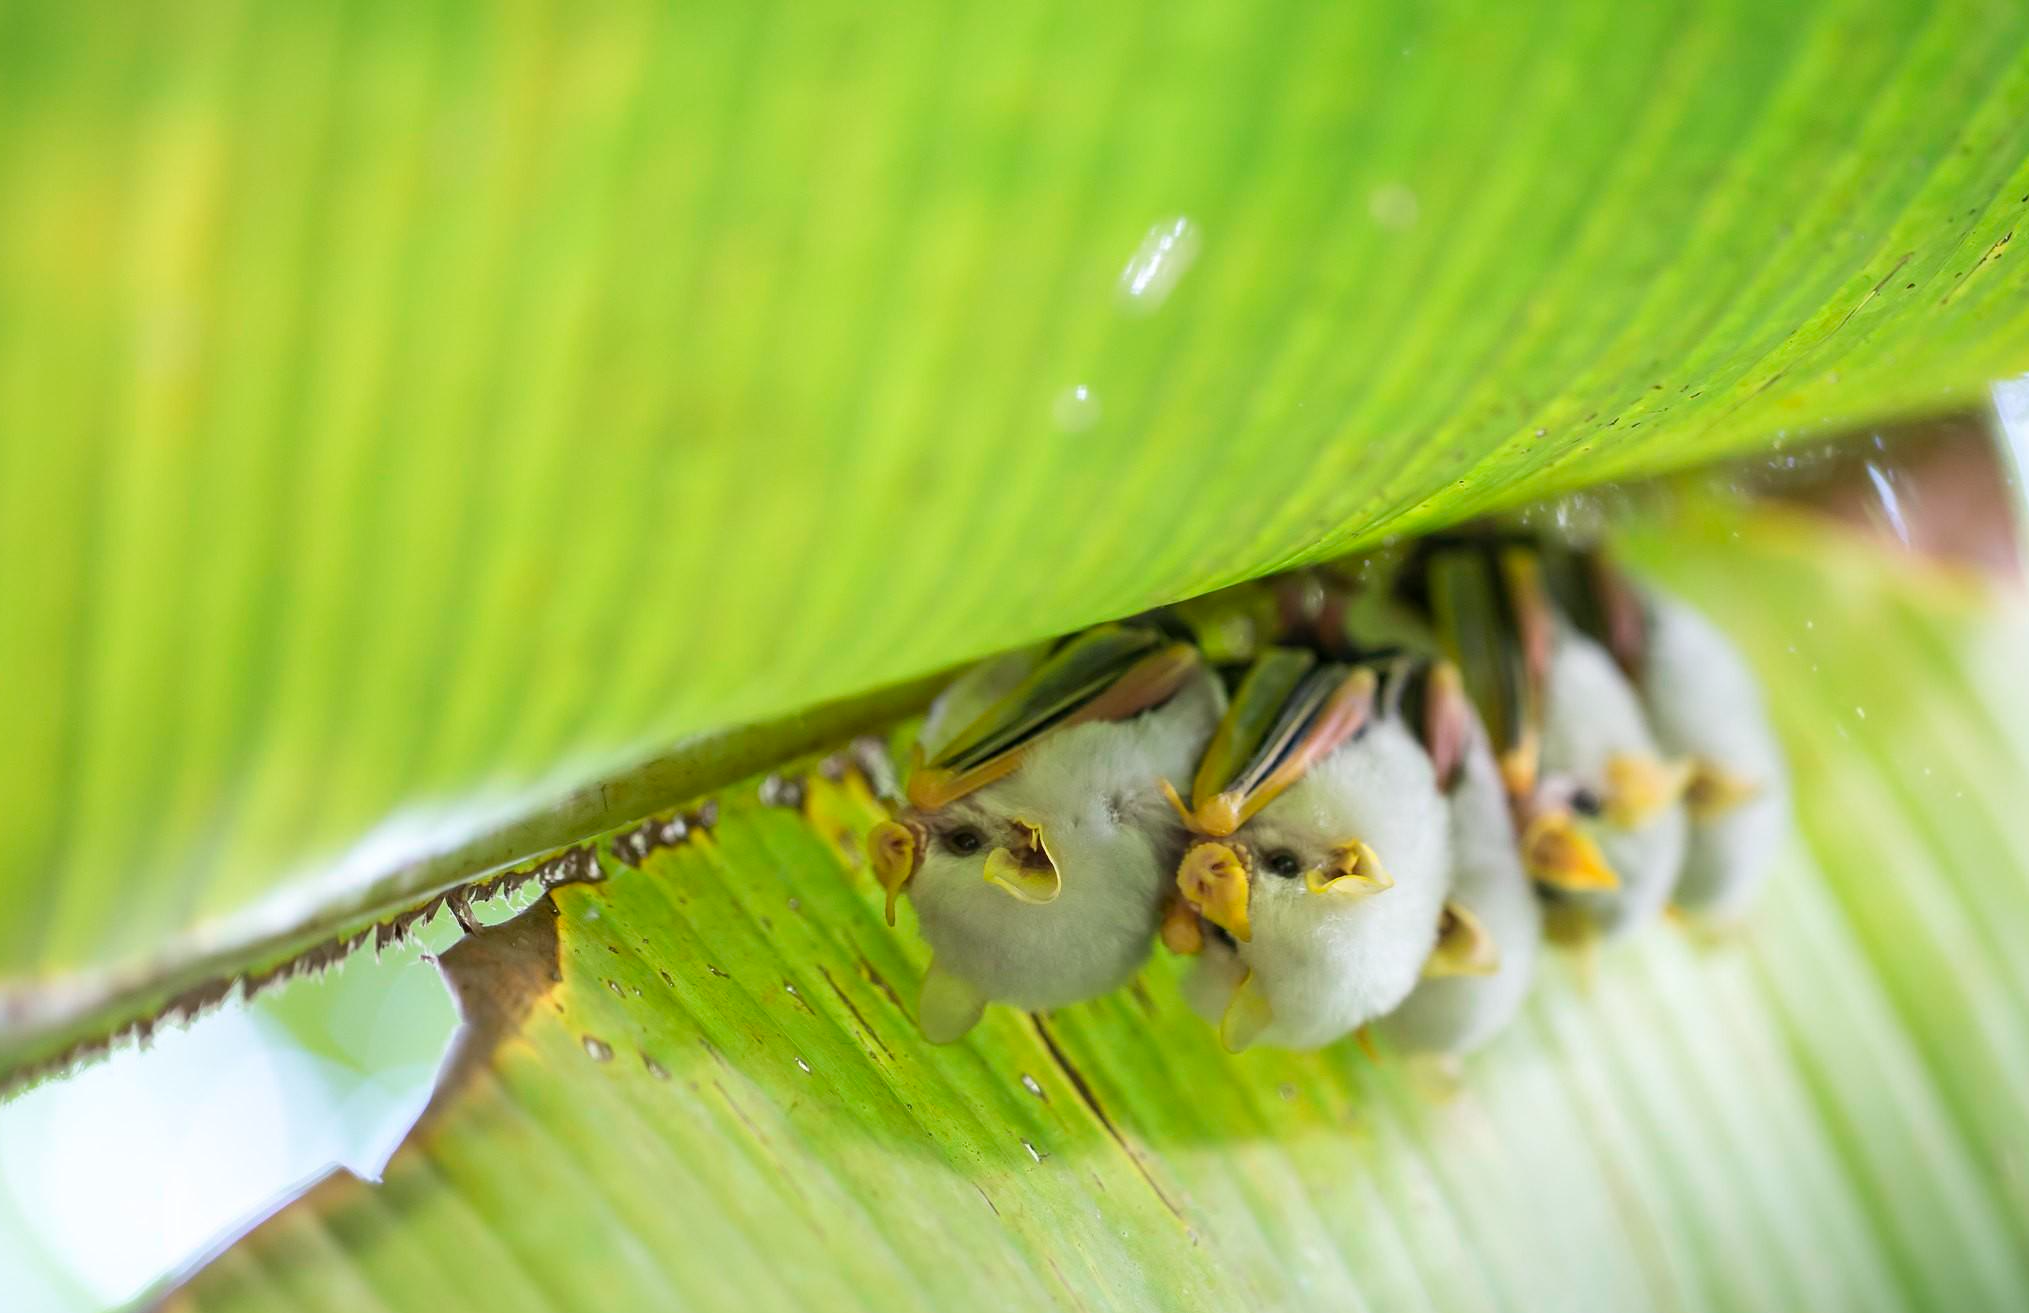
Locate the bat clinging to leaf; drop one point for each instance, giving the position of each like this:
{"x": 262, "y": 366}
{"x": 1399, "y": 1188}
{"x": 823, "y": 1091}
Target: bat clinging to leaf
{"x": 1035, "y": 847}
{"x": 1320, "y": 859}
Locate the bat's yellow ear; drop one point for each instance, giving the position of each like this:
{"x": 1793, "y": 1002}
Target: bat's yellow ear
{"x": 1559, "y": 854}
{"x": 1464, "y": 948}
{"x": 948, "y": 1006}
{"x": 897, "y": 850}
{"x": 1213, "y": 880}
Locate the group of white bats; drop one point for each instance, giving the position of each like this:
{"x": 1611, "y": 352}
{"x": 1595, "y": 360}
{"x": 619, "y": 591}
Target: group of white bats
{"x": 1358, "y": 795}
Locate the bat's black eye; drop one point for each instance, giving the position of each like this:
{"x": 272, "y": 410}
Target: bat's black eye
{"x": 964, "y": 841}
{"x": 1586, "y": 803}
{"x": 1285, "y": 863}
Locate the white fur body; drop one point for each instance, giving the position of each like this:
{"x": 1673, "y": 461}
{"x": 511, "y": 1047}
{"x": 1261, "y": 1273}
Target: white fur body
{"x": 1704, "y": 702}
{"x": 1593, "y": 714}
{"x": 1092, "y": 790}
{"x": 1456, "y": 1014}
{"x": 1327, "y": 963}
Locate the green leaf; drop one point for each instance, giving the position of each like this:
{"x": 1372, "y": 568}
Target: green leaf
{"x": 697, "y": 1084}
{"x": 415, "y": 412}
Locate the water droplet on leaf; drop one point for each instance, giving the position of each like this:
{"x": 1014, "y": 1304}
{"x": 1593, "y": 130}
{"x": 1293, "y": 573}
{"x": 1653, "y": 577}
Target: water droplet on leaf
{"x": 1163, "y": 258}
{"x": 1076, "y": 409}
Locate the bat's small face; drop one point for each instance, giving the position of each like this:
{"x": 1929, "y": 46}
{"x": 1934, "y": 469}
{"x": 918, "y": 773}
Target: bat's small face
{"x": 1043, "y": 888}
{"x": 1609, "y": 824}
{"x": 1330, "y": 894}
{"x": 1261, "y": 879}
{"x": 1039, "y": 891}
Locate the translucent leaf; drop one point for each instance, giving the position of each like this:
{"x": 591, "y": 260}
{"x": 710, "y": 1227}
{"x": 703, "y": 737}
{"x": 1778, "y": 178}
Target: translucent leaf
{"x": 697, "y": 1083}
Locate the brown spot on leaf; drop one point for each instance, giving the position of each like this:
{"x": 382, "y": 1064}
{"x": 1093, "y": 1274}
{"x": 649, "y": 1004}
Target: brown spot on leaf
{"x": 496, "y": 978}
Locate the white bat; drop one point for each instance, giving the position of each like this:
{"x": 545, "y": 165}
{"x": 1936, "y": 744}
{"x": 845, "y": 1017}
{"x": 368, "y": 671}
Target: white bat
{"x": 1322, "y": 858}
{"x": 1036, "y": 848}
